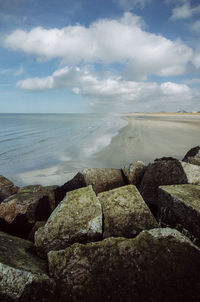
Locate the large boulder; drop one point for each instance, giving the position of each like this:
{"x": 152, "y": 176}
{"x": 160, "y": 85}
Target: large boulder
{"x": 125, "y": 212}
{"x": 19, "y": 212}
{"x": 100, "y": 179}
{"x": 134, "y": 172}
{"x": 78, "y": 218}
{"x": 23, "y": 276}
{"x": 179, "y": 207}
{"x": 166, "y": 171}
{"x": 157, "y": 265}
{"x": 193, "y": 156}
{"x": 7, "y": 188}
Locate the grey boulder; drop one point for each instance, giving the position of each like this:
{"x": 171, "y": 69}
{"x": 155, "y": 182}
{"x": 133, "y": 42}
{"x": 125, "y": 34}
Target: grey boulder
{"x": 23, "y": 276}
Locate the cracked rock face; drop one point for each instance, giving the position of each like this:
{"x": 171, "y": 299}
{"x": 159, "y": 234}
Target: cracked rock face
{"x": 78, "y": 218}
{"x": 179, "y": 207}
{"x": 19, "y": 212}
{"x": 166, "y": 172}
{"x": 125, "y": 212}
{"x": 156, "y": 265}
{"x": 23, "y": 276}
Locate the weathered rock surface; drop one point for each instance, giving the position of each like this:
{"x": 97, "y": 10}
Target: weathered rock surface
{"x": 179, "y": 207}
{"x": 134, "y": 172}
{"x": 100, "y": 179}
{"x": 166, "y": 171}
{"x": 78, "y": 218}
{"x": 23, "y": 276}
{"x": 193, "y": 156}
{"x": 7, "y": 188}
{"x": 19, "y": 212}
{"x": 50, "y": 191}
{"x": 125, "y": 212}
{"x": 157, "y": 265}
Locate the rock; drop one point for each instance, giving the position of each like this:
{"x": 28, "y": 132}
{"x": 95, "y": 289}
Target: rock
{"x": 166, "y": 171}
{"x": 134, "y": 172}
{"x": 23, "y": 276}
{"x": 7, "y": 188}
{"x": 50, "y": 191}
{"x": 100, "y": 179}
{"x": 125, "y": 212}
{"x": 193, "y": 156}
{"x": 78, "y": 218}
{"x": 19, "y": 212}
{"x": 36, "y": 226}
{"x": 157, "y": 265}
{"x": 179, "y": 207}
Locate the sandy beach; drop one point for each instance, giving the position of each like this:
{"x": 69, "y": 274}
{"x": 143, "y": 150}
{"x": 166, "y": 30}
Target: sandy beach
{"x": 149, "y": 136}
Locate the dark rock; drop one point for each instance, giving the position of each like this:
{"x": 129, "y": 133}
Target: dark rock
{"x": 179, "y": 207}
{"x": 36, "y": 226}
{"x": 78, "y": 218}
{"x": 7, "y": 188}
{"x": 23, "y": 276}
{"x": 166, "y": 171}
{"x": 50, "y": 191}
{"x": 134, "y": 172}
{"x": 19, "y": 212}
{"x": 157, "y": 265}
{"x": 100, "y": 179}
{"x": 125, "y": 212}
{"x": 193, "y": 156}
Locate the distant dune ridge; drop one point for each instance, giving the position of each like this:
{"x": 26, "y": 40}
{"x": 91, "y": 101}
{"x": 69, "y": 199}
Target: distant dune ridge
{"x": 130, "y": 234}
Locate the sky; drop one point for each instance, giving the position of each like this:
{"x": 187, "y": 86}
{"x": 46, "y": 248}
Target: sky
{"x": 79, "y": 56}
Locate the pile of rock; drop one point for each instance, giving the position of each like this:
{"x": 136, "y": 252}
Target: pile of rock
{"x": 130, "y": 234}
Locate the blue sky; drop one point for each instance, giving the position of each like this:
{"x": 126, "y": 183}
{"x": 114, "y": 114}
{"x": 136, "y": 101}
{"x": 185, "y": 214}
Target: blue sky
{"x": 60, "y": 56}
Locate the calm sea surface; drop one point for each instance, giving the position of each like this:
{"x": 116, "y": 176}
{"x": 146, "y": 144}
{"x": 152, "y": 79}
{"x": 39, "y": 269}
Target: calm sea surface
{"x": 31, "y": 142}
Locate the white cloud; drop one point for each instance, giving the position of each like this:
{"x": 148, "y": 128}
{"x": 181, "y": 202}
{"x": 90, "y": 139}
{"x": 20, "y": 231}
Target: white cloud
{"x": 112, "y": 93}
{"x": 169, "y": 88}
{"x": 106, "y": 41}
{"x": 130, "y": 4}
{"x": 185, "y": 11}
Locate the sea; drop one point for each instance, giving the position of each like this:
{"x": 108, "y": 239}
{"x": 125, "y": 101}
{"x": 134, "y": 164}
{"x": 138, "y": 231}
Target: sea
{"x": 50, "y": 149}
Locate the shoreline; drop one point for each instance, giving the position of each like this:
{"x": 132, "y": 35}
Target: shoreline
{"x": 140, "y": 139}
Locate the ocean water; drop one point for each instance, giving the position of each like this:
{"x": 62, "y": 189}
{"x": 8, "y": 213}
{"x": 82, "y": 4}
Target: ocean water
{"x": 51, "y": 148}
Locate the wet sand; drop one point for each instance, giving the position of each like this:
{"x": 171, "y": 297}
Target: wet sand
{"x": 150, "y": 136}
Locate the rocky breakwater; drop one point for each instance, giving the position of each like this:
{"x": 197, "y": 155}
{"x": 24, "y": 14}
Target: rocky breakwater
{"x": 130, "y": 234}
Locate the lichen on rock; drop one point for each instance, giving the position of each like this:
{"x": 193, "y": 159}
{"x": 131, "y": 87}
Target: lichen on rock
{"x": 125, "y": 212}
{"x": 179, "y": 207}
{"x": 78, "y": 218}
{"x": 166, "y": 171}
{"x": 23, "y": 276}
{"x": 157, "y": 265}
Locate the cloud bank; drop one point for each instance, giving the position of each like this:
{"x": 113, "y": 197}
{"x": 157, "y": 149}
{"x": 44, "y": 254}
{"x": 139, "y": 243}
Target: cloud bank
{"x": 106, "y": 41}
{"x": 115, "y": 89}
